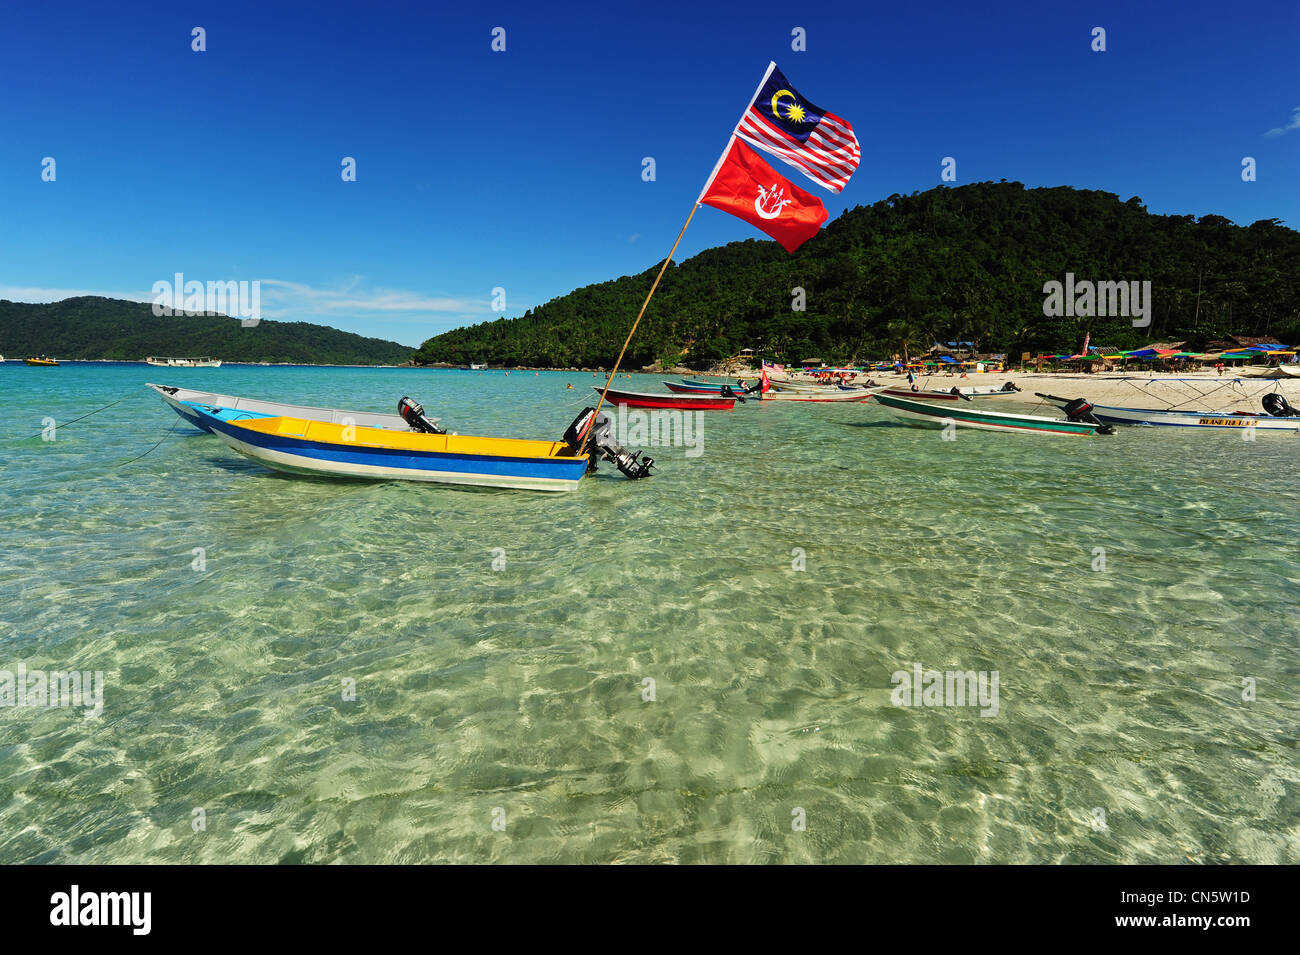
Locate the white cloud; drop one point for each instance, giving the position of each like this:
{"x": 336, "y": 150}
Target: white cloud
{"x": 297, "y": 298}
{"x": 31, "y": 293}
{"x": 297, "y": 301}
{"x": 1283, "y": 130}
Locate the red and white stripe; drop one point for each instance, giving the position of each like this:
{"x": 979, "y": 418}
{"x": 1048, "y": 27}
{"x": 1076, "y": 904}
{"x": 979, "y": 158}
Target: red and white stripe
{"x": 829, "y": 157}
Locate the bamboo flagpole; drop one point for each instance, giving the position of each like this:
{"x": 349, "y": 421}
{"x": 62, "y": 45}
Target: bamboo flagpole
{"x": 673, "y": 251}
{"x": 663, "y": 268}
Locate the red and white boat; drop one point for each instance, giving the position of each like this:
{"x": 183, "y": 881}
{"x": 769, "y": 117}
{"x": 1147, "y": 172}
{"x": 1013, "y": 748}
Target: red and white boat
{"x": 642, "y": 399}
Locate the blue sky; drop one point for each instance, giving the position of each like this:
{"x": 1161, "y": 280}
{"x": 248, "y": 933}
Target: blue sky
{"x": 522, "y": 169}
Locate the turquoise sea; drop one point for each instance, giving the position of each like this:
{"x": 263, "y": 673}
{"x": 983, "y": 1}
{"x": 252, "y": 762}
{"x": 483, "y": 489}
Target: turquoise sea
{"x": 1126, "y": 591}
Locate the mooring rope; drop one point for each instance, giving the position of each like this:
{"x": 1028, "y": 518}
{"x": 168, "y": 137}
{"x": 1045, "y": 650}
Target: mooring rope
{"x": 82, "y": 418}
{"x": 88, "y": 414}
{"x": 168, "y": 434}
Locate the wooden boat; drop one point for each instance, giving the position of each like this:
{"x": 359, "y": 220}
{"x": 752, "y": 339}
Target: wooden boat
{"x": 189, "y": 404}
{"x": 962, "y": 415}
{"x": 184, "y": 362}
{"x": 956, "y": 394}
{"x": 1284, "y": 418}
{"x": 703, "y": 387}
{"x": 828, "y": 376}
{"x": 1282, "y": 371}
{"x": 325, "y": 449}
{"x": 692, "y": 402}
{"x": 42, "y": 361}
{"x": 848, "y": 395}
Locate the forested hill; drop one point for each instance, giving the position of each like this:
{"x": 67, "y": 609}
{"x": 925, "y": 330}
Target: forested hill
{"x": 90, "y": 327}
{"x": 966, "y": 263}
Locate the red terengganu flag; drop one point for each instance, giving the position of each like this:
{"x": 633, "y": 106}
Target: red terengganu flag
{"x": 746, "y": 187}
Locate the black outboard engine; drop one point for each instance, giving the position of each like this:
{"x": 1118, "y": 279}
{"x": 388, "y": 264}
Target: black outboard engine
{"x": 728, "y": 392}
{"x": 597, "y": 434}
{"x": 1278, "y": 406}
{"x": 1080, "y": 410}
{"x": 412, "y": 413}
{"x": 1010, "y": 386}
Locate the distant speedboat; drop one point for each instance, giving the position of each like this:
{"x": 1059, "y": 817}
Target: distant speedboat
{"x": 41, "y": 361}
{"x": 184, "y": 362}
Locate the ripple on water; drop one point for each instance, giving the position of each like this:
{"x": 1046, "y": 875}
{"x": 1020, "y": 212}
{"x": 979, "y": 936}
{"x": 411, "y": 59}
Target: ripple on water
{"x": 769, "y": 589}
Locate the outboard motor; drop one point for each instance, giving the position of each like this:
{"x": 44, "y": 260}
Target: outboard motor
{"x": 728, "y": 392}
{"x": 1010, "y": 386}
{"x": 1277, "y": 406}
{"x": 597, "y": 433}
{"x": 412, "y": 413}
{"x": 1080, "y": 410}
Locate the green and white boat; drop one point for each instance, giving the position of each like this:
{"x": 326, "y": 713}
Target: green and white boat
{"x": 933, "y": 415}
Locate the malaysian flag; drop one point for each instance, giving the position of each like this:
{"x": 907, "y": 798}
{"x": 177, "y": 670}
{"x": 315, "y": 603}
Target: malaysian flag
{"x": 817, "y": 143}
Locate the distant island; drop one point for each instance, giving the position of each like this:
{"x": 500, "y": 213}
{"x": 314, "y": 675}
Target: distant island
{"x": 91, "y": 328}
{"x": 950, "y": 264}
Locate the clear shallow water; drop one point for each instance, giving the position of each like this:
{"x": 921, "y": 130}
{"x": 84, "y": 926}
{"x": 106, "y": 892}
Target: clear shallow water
{"x": 522, "y": 688}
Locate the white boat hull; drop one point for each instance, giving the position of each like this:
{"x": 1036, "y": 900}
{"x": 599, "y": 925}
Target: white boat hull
{"x": 929, "y": 414}
{"x": 1194, "y": 419}
{"x": 835, "y": 395}
{"x": 184, "y": 362}
{"x": 176, "y": 398}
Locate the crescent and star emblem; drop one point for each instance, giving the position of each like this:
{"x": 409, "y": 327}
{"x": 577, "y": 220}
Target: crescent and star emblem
{"x": 794, "y": 112}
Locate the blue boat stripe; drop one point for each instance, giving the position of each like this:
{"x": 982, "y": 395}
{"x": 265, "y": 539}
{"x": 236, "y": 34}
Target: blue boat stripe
{"x": 497, "y": 465}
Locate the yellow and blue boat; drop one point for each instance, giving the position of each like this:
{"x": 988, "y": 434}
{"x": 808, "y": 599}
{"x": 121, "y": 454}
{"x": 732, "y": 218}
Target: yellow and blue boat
{"x": 328, "y": 449}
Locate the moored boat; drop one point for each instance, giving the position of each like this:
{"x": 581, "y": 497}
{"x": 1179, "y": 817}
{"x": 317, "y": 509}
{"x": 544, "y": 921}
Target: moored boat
{"x": 1290, "y": 370}
{"x": 846, "y": 395}
{"x": 184, "y": 362}
{"x": 684, "y": 402}
{"x": 1279, "y": 416}
{"x": 954, "y": 394}
{"x": 963, "y": 415}
{"x": 197, "y": 406}
{"x": 41, "y": 361}
{"x": 326, "y": 449}
{"x": 707, "y": 388}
